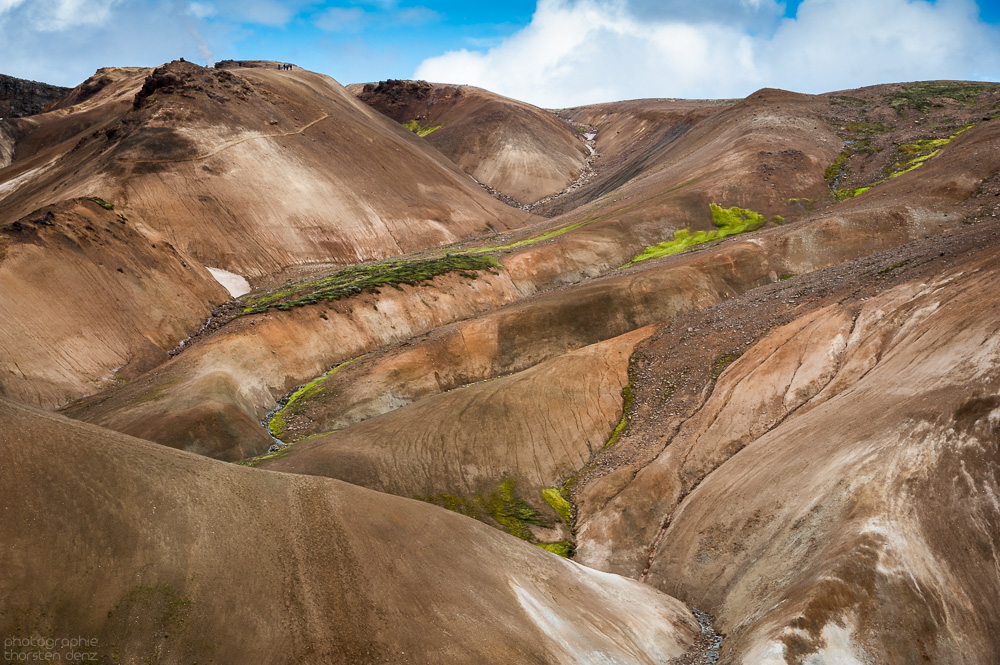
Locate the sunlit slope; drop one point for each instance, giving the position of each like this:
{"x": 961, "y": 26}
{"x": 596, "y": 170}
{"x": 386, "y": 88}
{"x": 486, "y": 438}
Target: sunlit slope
{"x": 159, "y": 554}
{"x": 252, "y": 170}
{"x": 521, "y": 151}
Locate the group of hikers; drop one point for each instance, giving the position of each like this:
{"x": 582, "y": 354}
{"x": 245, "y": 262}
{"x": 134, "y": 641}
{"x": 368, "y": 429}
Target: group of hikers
{"x": 280, "y": 66}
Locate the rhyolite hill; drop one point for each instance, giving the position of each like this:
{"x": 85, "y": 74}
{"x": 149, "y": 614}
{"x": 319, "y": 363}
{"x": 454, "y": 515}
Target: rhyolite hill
{"x": 511, "y": 385}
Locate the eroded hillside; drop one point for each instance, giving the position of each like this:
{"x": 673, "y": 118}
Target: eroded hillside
{"x": 520, "y": 152}
{"x": 747, "y": 363}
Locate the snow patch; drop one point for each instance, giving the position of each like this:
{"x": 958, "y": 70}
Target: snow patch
{"x": 237, "y": 285}
{"x": 839, "y": 648}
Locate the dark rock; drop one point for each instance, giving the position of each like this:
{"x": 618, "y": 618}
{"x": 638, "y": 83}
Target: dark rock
{"x": 19, "y": 97}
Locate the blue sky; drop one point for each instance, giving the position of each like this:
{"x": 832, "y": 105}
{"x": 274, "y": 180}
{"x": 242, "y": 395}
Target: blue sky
{"x": 550, "y": 52}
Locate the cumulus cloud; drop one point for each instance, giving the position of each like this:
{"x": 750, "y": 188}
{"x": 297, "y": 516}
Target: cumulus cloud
{"x": 583, "y": 51}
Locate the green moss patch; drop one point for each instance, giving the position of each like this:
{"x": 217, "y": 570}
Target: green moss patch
{"x": 419, "y": 129}
{"x": 356, "y": 279}
{"x": 254, "y": 461}
{"x": 921, "y": 96}
{"x": 555, "y": 498}
{"x": 101, "y": 202}
{"x": 501, "y": 507}
{"x": 295, "y": 405}
{"x": 915, "y": 155}
{"x": 720, "y": 364}
{"x": 563, "y": 548}
{"x": 728, "y": 221}
{"x": 628, "y": 396}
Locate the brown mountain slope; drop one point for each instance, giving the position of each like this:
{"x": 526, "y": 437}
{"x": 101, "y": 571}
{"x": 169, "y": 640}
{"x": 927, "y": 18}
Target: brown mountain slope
{"x": 251, "y": 170}
{"x": 515, "y": 148}
{"x": 243, "y": 386}
{"x": 158, "y": 554}
{"x": 87, "y": 300}
{"x": 628, "y": 137}
{"x": 793, "y": 428}
{"x": 178, "y": 153}
{"x": 834, "y": 495}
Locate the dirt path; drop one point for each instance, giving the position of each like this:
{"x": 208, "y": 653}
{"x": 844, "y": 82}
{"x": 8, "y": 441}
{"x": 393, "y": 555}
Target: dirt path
{"x": 229, "y": 144}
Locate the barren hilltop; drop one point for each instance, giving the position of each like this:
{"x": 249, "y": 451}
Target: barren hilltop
{"x": 409, "y": 372}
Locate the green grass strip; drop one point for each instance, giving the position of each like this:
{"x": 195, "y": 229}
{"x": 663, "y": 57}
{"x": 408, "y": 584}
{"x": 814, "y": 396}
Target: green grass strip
{"x": 728, "y": 221}
{"x": 355, "y": 279}
{"x": 295, "y": 404}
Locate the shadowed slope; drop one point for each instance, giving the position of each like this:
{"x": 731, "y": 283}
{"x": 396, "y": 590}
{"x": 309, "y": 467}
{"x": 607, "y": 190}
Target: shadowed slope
{"x": 518, "y": 149}
{"x": 160, "y": 554}
{"x": 19, "y": 97}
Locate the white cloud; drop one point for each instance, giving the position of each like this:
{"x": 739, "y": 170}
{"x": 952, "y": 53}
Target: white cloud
{"x": 584, "y": 51}
{"x": 57, "y": 15}
{"x": 7, "y": 5}
{"x": 341, "y": 19}
{"x": 101, "y": 34}
{"x": 201, "y": 9}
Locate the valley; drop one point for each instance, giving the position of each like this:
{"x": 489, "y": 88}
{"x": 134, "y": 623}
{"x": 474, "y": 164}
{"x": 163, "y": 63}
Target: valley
{"x": 651, "y": 381}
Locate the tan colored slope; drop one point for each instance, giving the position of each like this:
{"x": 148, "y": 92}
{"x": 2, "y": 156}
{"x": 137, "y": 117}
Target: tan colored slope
{"x": 629, "y": 137}
{"x": 253, "y": 170}
{"x": 195, "y": 164}
{"x": 160, "y": 555}
{"x": 87, "y": 301}
{"x": 518, "y": 149}
{"x": 244, "y": 385}
{"x": 210, "y": 398}
{"x": 864, "y": 524}
{"x": 536, "y": 427}
{"x": 775, "y": 536}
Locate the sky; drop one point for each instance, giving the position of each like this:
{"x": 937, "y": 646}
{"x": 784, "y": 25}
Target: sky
{"x": 553, "y": 53}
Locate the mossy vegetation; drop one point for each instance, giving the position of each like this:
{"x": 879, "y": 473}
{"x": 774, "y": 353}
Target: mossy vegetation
{"x": 420, "y": 129}
{"x": 921, "y": 96}
{"x": 723, "y": 361}
{"x": 803, "y": 204}
{"x": 555, "y": 498}
{"x": 628, "y": 396}
{"x": 547, "y": 235}
{"x": 563, "y": 548}
{"x": 101, "y": 202}
{"x": 919, "y": 152}
{"x": 255, "y": 461}
{"x": 838, "y": 167}
{"x": 895, "y": 266}
{"x": 914, "y": 154}
{"x": 295, "y": 405}
{"x": 356, "y": 279}
{"x": 727, "y": 221}
{"x": 864, "y": 127}
{"x": 504, "y": 508}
